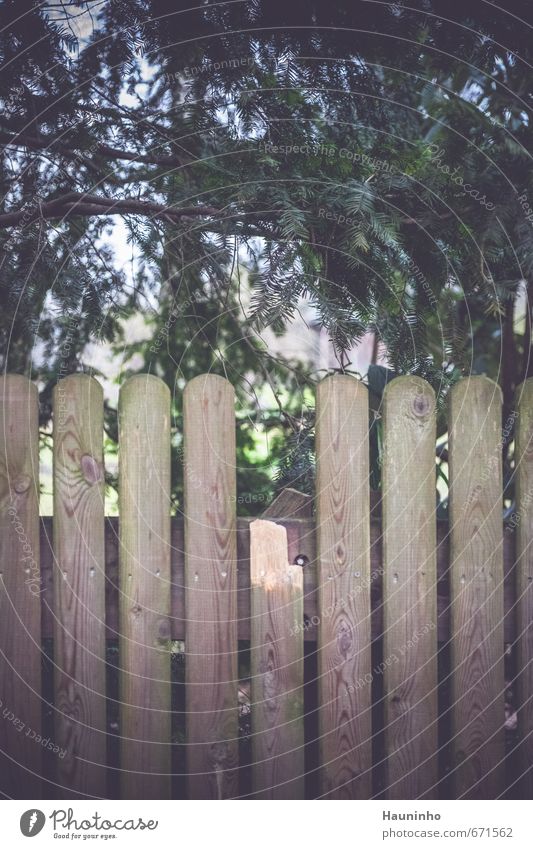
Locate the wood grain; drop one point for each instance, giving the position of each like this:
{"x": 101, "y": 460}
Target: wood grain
{"x": 522, "y": 521}
{"x": 211, "y": 587}
{"x": 20, "y": 591}
{"x": 290, "y": 504}
{"x": 301, "y": 539}
{"x": 144, "y": 507}
{"x": 409, "y": 589}
{"x": 79, "y": 588}
{"x": 343, "y": 545}
{"x": 476, "y": 552}
{"x": 277, "y": 651}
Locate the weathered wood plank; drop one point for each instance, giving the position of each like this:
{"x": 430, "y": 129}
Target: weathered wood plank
{"x": 20, "y": 591}
{"x": 410, "y": 589}
{"x": 343, "y": 545}
{"x": 79, "y": 587}
{"x": 301, "y": 539}
{"x": 277, "y": 653}
{"x": 290, "y": 504}
{"x": 211, "y": 587}
{"x": 476, "y": 554}
{"x": 522, "y": 520}
{"x": 144, "y": 507}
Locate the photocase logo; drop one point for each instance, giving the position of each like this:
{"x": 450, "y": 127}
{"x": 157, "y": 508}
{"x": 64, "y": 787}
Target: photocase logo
{"x": 32, "y": 822}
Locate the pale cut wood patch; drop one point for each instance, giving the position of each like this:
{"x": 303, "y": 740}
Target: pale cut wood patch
{"x": 278, "y": 767}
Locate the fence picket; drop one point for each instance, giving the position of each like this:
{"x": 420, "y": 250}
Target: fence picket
{"x": 523, "y": 521}
{"x": 211, "y": 587}
{"x": 476, "y": 569}
{"x": 343, "y": 546}
{"x": 410, "y": 589}
{"x": 144, "y": 651}
{"x": 20, "y": 590}
{"x": 79, "y": 587}
{"x": 277, "y": 653}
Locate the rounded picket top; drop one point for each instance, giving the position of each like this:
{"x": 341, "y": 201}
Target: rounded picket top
{"x": 79, "y": 378}
{"x": 411, "y": 395}
{"x": 17, "y": 383}
{"x": 78, "y": 428}
{"x": 524, "y": 393}
{"x": 144, "y": 408}
{"x": 206, "y": 386}
{"x": 337, "y": 396}
{"x": 19, "y": 435}
{"x": 148, "y": 385}
{"x": 341, "y": 383}
{"x": 144, "y": 436}
{"x": 477, "y": 387}
{"x": 76, "y": 395}
{"x": 19, "y": 393}
{"x": 209, "y": 420}
{"x": 474, "y": 405}
{"x": 208, "y": 429}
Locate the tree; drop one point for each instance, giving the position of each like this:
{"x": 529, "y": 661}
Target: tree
{"x": 375, "y": 169}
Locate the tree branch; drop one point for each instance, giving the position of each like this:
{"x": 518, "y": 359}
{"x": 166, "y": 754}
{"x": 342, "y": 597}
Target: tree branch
{"x": 76, "y": 204}
{"x": 11, "y": 139}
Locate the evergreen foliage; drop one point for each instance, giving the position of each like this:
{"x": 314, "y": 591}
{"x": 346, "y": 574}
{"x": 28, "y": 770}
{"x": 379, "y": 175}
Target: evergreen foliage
{"x": 373, "y": 158}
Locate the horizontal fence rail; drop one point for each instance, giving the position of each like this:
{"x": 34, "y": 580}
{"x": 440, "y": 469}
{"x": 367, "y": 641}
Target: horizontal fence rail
{"x": 368, "y": 651}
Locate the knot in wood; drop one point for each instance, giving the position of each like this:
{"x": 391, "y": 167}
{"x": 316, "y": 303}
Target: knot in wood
{"x": 91, "y": 469}
{"x": 22, "y": 484}
{"x": 136, "y": 609}
{"x": 421, "y": 405}
{"x": 344, "y": 641}
{"x": 164, "y": 630}
{"x": 270, "y": 683}
{"x": 218, "y": 754}
{"x": 400, "y": 705}
{"x": 340, "y": 555}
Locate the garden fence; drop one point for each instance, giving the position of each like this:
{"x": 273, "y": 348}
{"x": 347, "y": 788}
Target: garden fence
{"x": 380, "y": 646}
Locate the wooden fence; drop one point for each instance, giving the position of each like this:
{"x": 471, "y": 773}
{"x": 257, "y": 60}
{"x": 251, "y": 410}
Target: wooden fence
{"x": 378, "y": 646}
